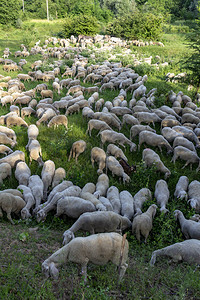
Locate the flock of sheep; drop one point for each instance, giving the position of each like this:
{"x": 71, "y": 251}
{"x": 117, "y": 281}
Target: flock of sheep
{"x": 99, "y": 208}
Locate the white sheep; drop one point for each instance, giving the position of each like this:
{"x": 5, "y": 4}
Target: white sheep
{"x": 35, "y": 152}
{"x": 47, "y": 115}
{"x": 29, "y": 199}
{"x": 4, "y": 139}
{"x": 187, "y": 133}
{"x": 5, "y": 150}
{"x": 147, "y": 117}
{"x": 127, "y": 207}
{"x": 98, "y": 249}
{"x": 106, "y": 203}
{"x": 22, "y": 173}
{"x": 77, "y": 148}
{"x": 130, "y": 120}
{"x": 37, "y": 187}
{"x": 59, "y": 175}
{"x": 98, "y": 155}
{"x": 89, "y": 188}
{"x": 32, "y": 132}
{"x": 151, "y": 158}
{"x": 136, "y": 129}
{"x": 139, "y": 198}
{"x": 47, "y": 174}
{"x": 142, "y": 224}
{"x": 98, "y": 125}
{"x": 14, "y": 120}
{"x": 189, "y": 228}
{"x": 181, "y": 188}
{"x": 10, "y": 204}
{"x": 13, "y": 158}
{"x": 162, "y": 194}
{"x": 194, "y": 195}
{"x": 90, "y": 197}
{"x": 112, "y": 149}
{"x": 5, "y": 171}
{"x": 185, "y": 154}
{"x": 102, "y": 185}
{"x": 113, "y": 197}
{"x": 114, "y": 166}
{"x": 153, "y": 139}
{"x": 115, "y": 137}
{"x": 181, "y": 141}
{"x": 188, "y": 251}
{"x": 170, "y": 134}
{"x": 9, "y": 132}
{"x": 58, "y": 120}
{"x": 97, "y": 222}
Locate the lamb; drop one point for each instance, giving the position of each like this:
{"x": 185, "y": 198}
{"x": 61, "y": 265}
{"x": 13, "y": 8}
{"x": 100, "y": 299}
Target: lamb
{"x": 29, "y": 199}
{"x": 127, "y": 168}
{"x": 127, "y": 207}
{"x": 189, "y": 228}
{"x": 181, "y": 188}
{"x": 181, "y": 141}
{"x": 97, "y": 222}
{"x": 78, "y": 147}
{"x": 142, "y": 224}
{"x": 112, "y": 149}
{"x": 35, "y": 152}
{"x": 37, "y": 187}
{"x": 9, "y": 132}
{"x": 14, "y": 120}
{"x": 188, "y": 251}
{"x": 98, "y": 155}
{"x": 48, "y": 114}
{"x": 13, "y": 158}
{"x": 70, "y": 191}
{"x": 10, "y": 204}
{"x": 47, "y": 175}
{"x": 5, "y": 150}
{"x": 194, "y": 195}
{"x": 82, "y": 250}
{"x": 22, "y": 173}
{"x": 115, "y": 137}
{"x": 114, "y": 166}
{"x": 4, "y": 139}
{"x": 101, "y": 185}
{"x": 136, "y": 129}
{"x": 154, "y": 139}
{"x": 98, "y": 125}
{"x": 139, "y": 198}
{"x": 186, "y": 154}
{"x": 5, "y": 171}
{"x": 59, "y": 175}
{"x": 162, "y": 194}
{"x": 73, "y": 206}
{"x": 151, "y": 158}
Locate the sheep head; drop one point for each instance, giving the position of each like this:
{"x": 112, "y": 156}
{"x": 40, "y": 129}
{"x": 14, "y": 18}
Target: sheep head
{"x": 41, "y": 215}
{"x": 25, "y": 214}
{"x": 68, "y": 235}
{"x": 176, "y": 213}
{"x": 50, "y": 270}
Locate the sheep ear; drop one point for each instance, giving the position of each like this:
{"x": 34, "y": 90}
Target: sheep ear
{"x": 73, "y": 237}
{"x": 53, "y": 271}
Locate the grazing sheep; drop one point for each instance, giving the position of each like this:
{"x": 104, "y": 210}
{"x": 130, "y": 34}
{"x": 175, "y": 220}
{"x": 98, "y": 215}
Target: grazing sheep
{"x": 151, "y": 158}
{"x": 48, "y": 114}
{"x": 189, "y": 228}
{"x": 23, "y": 100}
{"x": 170, "y": 134}
{"x": 186, "y": 154}
{"x": 5, "y": 150}
{"x": 98, "y": 155}
{"x": 22, "y": 173}
{"x": 113, "y": 197}
{"x": 115, "y": 137}
{"x": 98, "y": 249}
{"x": 142, "y": 224}
{"x": 89, "y": 188}
{"x": 114, "y": 166}
{"x": 146, "y": 117}
{"x": 130, "y": 120}
{"x": 59, "y": 175}
{"x": 47, "y": 94}
{"x": 181, "y": 141}
{"x": 35, "y": 152}
{"x": 58, "y": 120}
{"x": 78, "y": 147}
{"x": 127, "y": 207}
{"x": 14, "y": 120}
{"x": 181, "y": 188}
{"x": 162, "y": 194}
{"x": 15, "y": 109}
{"x": 101, "y": 186}
{"x": 98, "y": 125}
{"x": 27, "y": 111}
{"x": 33, "y": 132}
{"x": 13, "y": 158}
{"x": 10, "y": 204}
{"x": 106, "y": 203}
{"x": 188, "y": 251}
{"x": 73, "y": 206}
{"x": 9, "y": 132}
{"x": 5, "y": 171}
{"x": 97, "y": 222}
{"x": 37, "y": 187}
{"x": 4, "y": 139}
{"x": 7, "y": 99}
{"x": 110, "y": 119}
{"x": 169, "y": 123}
{"x": 187, "y": 133}
{"x": 153, "y": 139}
{"x": 47, "y": 174}
{"x": 139, "y": 198}
{"x": 90, "y": 197}
{"x": 127, "y": 168}
{"x": 29, "y": 199}
{"x": 72, "y": 109}
{"x": 112, "y": 149}
{"x": 194, "y": 195}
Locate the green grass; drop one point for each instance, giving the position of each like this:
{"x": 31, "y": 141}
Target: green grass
{"x": 20, "y": 261}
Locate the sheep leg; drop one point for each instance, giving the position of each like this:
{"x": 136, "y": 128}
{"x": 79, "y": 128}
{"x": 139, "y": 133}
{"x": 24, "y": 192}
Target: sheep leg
{"x": 185, "y": 164}
{"x": 122, "y": 271}
{"x": 9, "y": 217}
{"x": 84, "y": 269}
{"x": 70, "y": 155}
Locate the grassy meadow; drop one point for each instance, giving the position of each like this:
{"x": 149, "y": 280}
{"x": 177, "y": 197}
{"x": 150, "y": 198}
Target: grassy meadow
{"x": 26, "y": 245}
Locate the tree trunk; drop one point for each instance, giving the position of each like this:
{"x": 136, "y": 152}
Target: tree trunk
{"x": 47, "y": 3}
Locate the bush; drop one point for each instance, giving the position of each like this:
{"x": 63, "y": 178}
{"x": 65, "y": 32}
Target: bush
{"x": 80, "y": 24}
{"x": 140, "y": 25}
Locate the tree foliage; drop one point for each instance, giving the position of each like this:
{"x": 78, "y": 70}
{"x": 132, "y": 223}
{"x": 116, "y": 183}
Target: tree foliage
{"x": 9, "y": 12}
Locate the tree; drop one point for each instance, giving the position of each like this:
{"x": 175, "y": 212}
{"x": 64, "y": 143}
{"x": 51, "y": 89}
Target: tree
{"x": 9, "y": 12}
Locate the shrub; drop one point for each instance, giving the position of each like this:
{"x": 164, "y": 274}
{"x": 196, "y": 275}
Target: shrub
{"x": 80, "y": 24}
